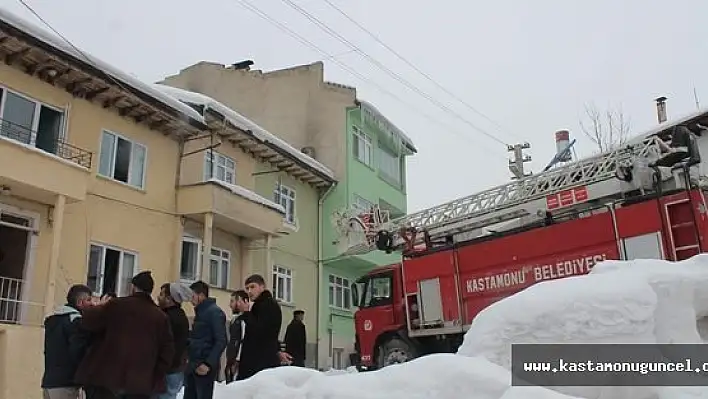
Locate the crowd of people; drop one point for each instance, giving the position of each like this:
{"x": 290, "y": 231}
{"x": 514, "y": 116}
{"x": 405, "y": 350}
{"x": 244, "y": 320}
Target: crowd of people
{"x": 134, "y": 347}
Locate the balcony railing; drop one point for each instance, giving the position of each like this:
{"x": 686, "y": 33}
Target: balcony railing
{"x": 15, "y": 308}
{"x": 50, "y": 145}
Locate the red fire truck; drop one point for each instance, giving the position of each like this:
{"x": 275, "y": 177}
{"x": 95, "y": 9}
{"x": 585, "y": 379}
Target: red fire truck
{"x": 638, "y": 201}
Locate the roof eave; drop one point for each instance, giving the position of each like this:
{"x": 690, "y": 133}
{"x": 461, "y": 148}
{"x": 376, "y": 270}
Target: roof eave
{"x": 267, "y": 152}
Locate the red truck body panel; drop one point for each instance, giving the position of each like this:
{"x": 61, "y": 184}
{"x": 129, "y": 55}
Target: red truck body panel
{"x": 474, "y": 275}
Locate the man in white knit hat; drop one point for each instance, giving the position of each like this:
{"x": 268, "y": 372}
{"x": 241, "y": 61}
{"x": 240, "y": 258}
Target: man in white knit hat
{"x": 170, "y": 300}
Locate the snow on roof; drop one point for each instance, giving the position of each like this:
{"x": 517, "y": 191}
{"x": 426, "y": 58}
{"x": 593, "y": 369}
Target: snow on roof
{"x": 124, "y": 78}
{"x": 242, "y": 122}
{"x": 370, "y": 107}
{"x": 669, "y": 123}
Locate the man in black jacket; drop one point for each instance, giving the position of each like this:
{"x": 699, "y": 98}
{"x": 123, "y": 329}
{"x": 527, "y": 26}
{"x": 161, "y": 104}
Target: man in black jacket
{"x": 207, "y": 342}
{"x": 64, "y": 345}
{"x": 296, "y": 339}
{"x": 170, "y": 300}
{"x": 237, "y": 330}
{"x": 261, "y": 347}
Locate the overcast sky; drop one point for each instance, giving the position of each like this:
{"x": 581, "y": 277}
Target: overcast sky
{"x": 530, "y": 66}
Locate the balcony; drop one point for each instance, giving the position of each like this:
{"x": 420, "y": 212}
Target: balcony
{"x": 235, "y": 209}
{"x": 39, "y": 167}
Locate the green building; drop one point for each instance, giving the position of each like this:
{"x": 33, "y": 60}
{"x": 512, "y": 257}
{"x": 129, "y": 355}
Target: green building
{"x": 366, "y": 154}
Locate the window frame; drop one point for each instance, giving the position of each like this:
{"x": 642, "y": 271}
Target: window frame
{"x": 102, "y": 265}
{"x": 346, "y": 292}
{"x": 291, "y": 195}
{"x": 198, "y": 271}
{"x": 213, "y": 157}
{"x": 288, "y": 275}
{"x": 113, "y": 158}
{"x": 222, "y": 282}
{"x": 38, "y": 104}
{"x": 359, "y": 136}
{"x": 357, "y": 202}
{"x": 384, "y": 152}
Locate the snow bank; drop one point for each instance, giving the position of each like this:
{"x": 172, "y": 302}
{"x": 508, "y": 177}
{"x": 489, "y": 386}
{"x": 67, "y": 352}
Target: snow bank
{"x": 436, "y": 376}
{"x": 640, "y": 301}
{"x": 124, "y": 78}
{"x": 242, "y": 122}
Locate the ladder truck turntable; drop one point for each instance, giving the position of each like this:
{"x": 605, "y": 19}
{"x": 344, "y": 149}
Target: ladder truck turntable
{"x": 637, "y": 201}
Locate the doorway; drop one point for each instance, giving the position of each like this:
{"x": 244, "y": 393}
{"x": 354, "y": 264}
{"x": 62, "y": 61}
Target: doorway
{"x": 15, "y": 243}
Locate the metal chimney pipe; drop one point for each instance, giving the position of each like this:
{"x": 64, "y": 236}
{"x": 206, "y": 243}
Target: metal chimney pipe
{"x": 661, "y": 109}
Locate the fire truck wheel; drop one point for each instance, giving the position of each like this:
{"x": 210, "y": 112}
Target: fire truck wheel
{"x": 395, "y": 351}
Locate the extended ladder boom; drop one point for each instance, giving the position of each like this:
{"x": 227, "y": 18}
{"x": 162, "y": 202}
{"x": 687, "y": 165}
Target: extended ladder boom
{"x": 486, "y": 204}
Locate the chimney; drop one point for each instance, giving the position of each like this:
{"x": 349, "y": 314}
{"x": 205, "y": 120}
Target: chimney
{"x": 661, "y": 109}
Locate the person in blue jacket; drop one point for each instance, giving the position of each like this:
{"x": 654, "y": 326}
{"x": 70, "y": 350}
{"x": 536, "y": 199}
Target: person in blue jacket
{"x": 207, "y": 342}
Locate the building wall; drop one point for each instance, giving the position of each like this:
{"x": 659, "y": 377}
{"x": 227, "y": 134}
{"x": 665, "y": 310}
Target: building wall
{"x": 115, "y": 214}
{"x": 296, "y": 104}
{"x": 296, "y": 251}
{"x": 193, "y": 165}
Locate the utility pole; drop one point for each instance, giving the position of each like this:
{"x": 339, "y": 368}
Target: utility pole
{"x": 516, "y": 165}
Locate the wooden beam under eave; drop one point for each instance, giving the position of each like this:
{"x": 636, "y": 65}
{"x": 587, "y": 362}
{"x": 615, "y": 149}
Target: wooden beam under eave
{"x": 11, "y": 58}
{"x": 142, "y": 118}
{"x": 74, "y": 86}
{"x": 112, "y": 101}
{"x": 52, "y": 79}
{"x": 90, "y": 95}
{"x": 127, "y": 110}
{"x": 157, "y": 124}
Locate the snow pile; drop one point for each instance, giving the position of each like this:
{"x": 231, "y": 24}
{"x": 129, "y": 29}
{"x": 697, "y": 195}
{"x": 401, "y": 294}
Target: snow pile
{"x": 243, "y": 123}
{"x": 641, "y": 301}
{"x": 124, "y": 78}
{"x": 436, "y": 376}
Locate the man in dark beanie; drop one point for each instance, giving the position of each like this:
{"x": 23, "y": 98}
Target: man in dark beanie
{"x": 132, "y": 358}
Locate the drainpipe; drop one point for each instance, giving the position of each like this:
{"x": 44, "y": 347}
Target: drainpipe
{"x": 320, "y": 267}
{"x": 173, "y": 274}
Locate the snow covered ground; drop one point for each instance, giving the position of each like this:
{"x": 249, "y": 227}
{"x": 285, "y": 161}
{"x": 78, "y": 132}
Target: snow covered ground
{"x": 642, "y": 301}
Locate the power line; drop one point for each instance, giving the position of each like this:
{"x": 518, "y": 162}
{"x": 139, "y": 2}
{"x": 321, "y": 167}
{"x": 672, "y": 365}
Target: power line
{"x": 282, "y": 27}
{"x": 410, "y": 64}
{"x": 388, "y": 71}
{"x": 78, "y": 50}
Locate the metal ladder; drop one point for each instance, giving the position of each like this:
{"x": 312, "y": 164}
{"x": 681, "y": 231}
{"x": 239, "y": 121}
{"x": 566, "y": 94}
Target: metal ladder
{"x": 490, "y": 204}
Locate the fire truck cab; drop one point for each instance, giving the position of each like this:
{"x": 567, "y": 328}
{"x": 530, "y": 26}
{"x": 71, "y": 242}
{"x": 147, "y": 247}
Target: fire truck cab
{"x": 626, "y": 204}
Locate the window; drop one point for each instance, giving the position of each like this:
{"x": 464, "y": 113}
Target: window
{"x": 389, "y": 165}
{"x": 110, "y": 269}
{"x": 189, "y": 263}
{"x": 219, "y": 265}
{"x": 377, "y": 291}
{"x": 285, "y": 196}
{"x": 283, "y": 284}
{"x": 361, "y": 205}
{"x": 361, "y": 145}
{"x": 219, "y": 167}
{"x": 30, "y": 122}
{"x": 122, "y": 160}
{"x": 339, "y": 292}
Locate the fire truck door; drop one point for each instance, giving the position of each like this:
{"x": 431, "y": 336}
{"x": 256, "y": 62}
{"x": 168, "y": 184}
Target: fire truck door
{"x": 646, "y": 246}
{"x": 430, "y": 302}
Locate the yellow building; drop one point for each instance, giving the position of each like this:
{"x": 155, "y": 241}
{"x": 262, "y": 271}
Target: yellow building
{"x": 102, "y": 176}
